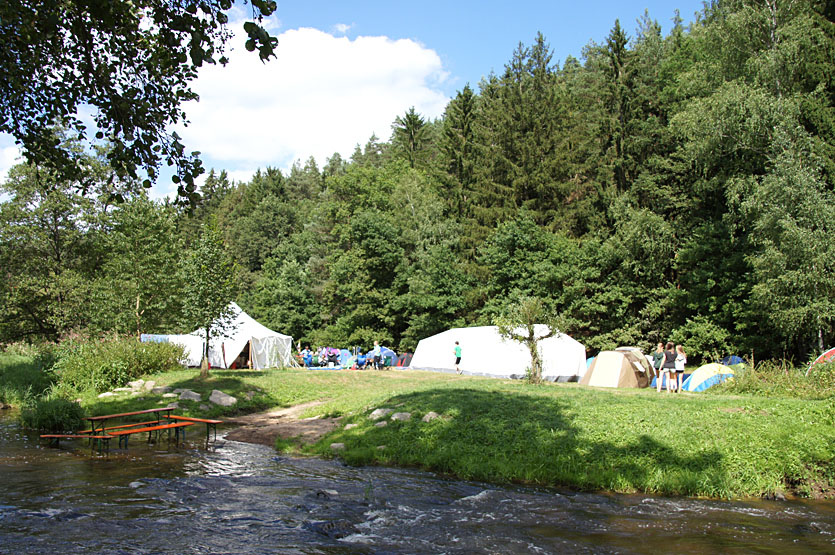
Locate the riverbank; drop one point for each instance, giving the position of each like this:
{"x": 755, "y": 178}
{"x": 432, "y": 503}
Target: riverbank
{"x": 552, "y": 435}
{"x": 505, "y": 431}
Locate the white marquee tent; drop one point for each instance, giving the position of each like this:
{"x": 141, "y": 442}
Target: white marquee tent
{"x": 485, "y": 353}
{"x": 267, "y": 348}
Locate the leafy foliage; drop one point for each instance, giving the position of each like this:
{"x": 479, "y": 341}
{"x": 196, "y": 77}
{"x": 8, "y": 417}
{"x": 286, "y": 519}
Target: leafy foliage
{"x": 132, "y": 62}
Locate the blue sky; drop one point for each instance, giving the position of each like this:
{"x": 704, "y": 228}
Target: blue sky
{"x": 345, "y": 70}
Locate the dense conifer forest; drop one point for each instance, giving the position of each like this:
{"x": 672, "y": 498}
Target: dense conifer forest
{"x": 661, "y": 187}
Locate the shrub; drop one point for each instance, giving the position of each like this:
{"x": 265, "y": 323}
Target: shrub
{"x": 105, "y": 364}
{"x": 22, "y": 378}
{"x": 702, "y": 339}
{"x": 781, "y": 379}
{"x": 52, "y": 414}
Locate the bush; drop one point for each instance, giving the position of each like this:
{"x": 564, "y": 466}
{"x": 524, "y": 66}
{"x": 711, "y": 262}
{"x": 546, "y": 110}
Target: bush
{"x": 22, "y": 378}
{"x": 106, "y": 364}
{"x": 781, "y": 379}
{"x": 702, "y": 339}
{"x": 52, "y": 414}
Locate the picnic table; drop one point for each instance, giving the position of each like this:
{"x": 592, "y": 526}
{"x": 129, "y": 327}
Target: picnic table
{"x": 100, "y": 433}
{"x": 124, "y": 431}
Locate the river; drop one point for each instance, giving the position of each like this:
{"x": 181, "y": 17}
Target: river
{"x": 241, "y": 498}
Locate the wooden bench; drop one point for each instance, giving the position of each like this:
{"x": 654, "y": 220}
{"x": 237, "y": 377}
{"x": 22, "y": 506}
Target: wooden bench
{"x": 151, "y": 429}
{"x": 210, "y": 424}
{"x": 99, "y": 440}
{"x": 131, "y": 425}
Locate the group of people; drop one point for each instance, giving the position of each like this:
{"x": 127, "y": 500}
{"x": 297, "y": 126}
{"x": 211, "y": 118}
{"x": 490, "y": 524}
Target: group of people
{"x": 325, "y": 356}
{"x": 669, "y": 361}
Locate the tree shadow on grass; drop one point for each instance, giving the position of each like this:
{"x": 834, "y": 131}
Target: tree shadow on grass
{"x": 504, "y": 438}
{"x": 227, "y": 382}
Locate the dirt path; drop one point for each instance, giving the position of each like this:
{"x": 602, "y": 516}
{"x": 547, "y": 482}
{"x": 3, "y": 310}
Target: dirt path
{"x": 265, "y": 427}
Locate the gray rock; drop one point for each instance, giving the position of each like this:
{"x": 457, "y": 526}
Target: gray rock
{"x": 204, "y": 407}
{"x": 350, "y": 426}
{"x": 249, "y": 395}
{"x": 404, "y": 416}
{"x": 179, "y": 390}
{"x": 381, "y": 447}
{"x": 189, "y": 395}
{"x": 174, "y": 405}
{"x": 136, "y": 384}
{"x": 168, "y": 395}
{"x": 222, "y": 399}
{"x": 159, "y": 390}
{"x": 106, "y": 394}
{"x": 337, "y": 446}
{"x": 149, "y": 385}
{"x": 380, "y": 413}
{"x": 122, "y": 389}
{"x": 430, "y": 416}
{"x": 381, "y": 424}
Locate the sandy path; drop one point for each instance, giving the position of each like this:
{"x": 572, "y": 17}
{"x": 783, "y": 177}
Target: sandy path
{"x": 265, "y": 427}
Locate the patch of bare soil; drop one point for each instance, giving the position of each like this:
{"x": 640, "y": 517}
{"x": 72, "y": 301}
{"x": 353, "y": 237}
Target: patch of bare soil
{"x": 264, "y": 427}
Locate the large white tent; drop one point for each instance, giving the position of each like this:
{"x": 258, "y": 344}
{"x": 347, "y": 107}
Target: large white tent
{"x": 267, "y": 348}
{"x": 484, "y": 352}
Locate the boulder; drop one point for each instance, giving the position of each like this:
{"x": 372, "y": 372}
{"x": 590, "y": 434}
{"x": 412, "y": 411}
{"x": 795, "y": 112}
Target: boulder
{"x": 168, "y": 395}
{"x": 189, "y": 395}
{"x": 381, "y": 424}
{"x": 430, "y": 416}
{"x": 380, "y": 413}
{"x": 337, "y": 446}
{"x": 160, "y": 390}
{"x": 222, "y": 399}
{"x": 149, "y": 385}
{"x": 350, "y": 426}
{"x": 136, "y": 384}
{"x": 404, "y": 416}
{"x": 106, "y": 394}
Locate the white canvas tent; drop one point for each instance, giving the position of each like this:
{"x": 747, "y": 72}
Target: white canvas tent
{"x": 267, "y": 348}
{"x": 485, "y": 353}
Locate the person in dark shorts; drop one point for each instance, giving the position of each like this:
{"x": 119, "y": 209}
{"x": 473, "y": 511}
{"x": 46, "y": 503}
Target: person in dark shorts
{"x": 457, "y": 352}
{"x": 669, "y": 365}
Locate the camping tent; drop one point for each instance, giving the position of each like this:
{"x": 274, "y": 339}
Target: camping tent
{"x": 484, "y": 352}
{"x": 707, "y": 376}
{"x": 618, "y": 369}
{"x": 267, "y": 348}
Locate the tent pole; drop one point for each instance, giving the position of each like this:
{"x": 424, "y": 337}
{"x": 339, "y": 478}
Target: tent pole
{"x": 250, "y": 354}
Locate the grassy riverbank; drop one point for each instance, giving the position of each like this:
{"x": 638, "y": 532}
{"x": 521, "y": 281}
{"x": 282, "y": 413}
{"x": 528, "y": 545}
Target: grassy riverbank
{"x": 554, "y": 434}
{"x": 560, "y": 434}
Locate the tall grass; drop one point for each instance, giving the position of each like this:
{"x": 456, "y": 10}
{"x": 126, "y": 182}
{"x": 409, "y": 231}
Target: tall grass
{"x": 22, "y": 378}
{"x": 781, "y": 379}
{"x": 106, "y": 364}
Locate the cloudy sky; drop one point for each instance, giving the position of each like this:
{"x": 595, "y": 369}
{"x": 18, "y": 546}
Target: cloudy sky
{"x": 346, "y": 69}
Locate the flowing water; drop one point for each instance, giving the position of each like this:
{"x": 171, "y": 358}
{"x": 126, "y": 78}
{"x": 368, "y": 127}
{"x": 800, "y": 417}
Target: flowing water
{"x": 241, "y": 498}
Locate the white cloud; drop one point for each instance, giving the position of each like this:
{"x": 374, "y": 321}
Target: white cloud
{"x": 9, "y": 156}
{"x": 342, "y": 28}
{"x": 322, "y": 94}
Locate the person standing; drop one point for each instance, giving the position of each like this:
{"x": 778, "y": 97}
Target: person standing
{"x": 668, "y": 368}
{"x": 681, "y": 360}
{"x": 378, "y": 355}
{"x": 457, "y": 352}
{"x": 657, "y": 362}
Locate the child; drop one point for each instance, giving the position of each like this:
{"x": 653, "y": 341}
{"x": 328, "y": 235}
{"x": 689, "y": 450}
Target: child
{"x": 681, "y": 360}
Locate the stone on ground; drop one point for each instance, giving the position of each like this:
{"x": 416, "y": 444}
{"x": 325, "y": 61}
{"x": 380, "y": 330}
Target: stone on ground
{"x": 222, "y": 399}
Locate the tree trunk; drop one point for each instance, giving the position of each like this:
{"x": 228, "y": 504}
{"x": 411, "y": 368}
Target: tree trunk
{"x": 204, "y": 366}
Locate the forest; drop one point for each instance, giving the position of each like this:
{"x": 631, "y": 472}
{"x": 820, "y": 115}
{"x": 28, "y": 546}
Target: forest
{"x": 677, "y": 187}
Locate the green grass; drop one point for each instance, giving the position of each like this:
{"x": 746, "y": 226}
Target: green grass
{"x": 22, "y": 379}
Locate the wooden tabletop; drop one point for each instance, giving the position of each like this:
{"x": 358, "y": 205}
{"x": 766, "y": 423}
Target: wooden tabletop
{"x": 146, "y": 411}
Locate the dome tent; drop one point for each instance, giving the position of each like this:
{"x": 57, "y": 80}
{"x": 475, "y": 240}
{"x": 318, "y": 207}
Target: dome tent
{"x": 267, "y": 348}
{"x": 707, "y": 376}
{"x": 484, "y": 352}
{"x": 622, "y": 368}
